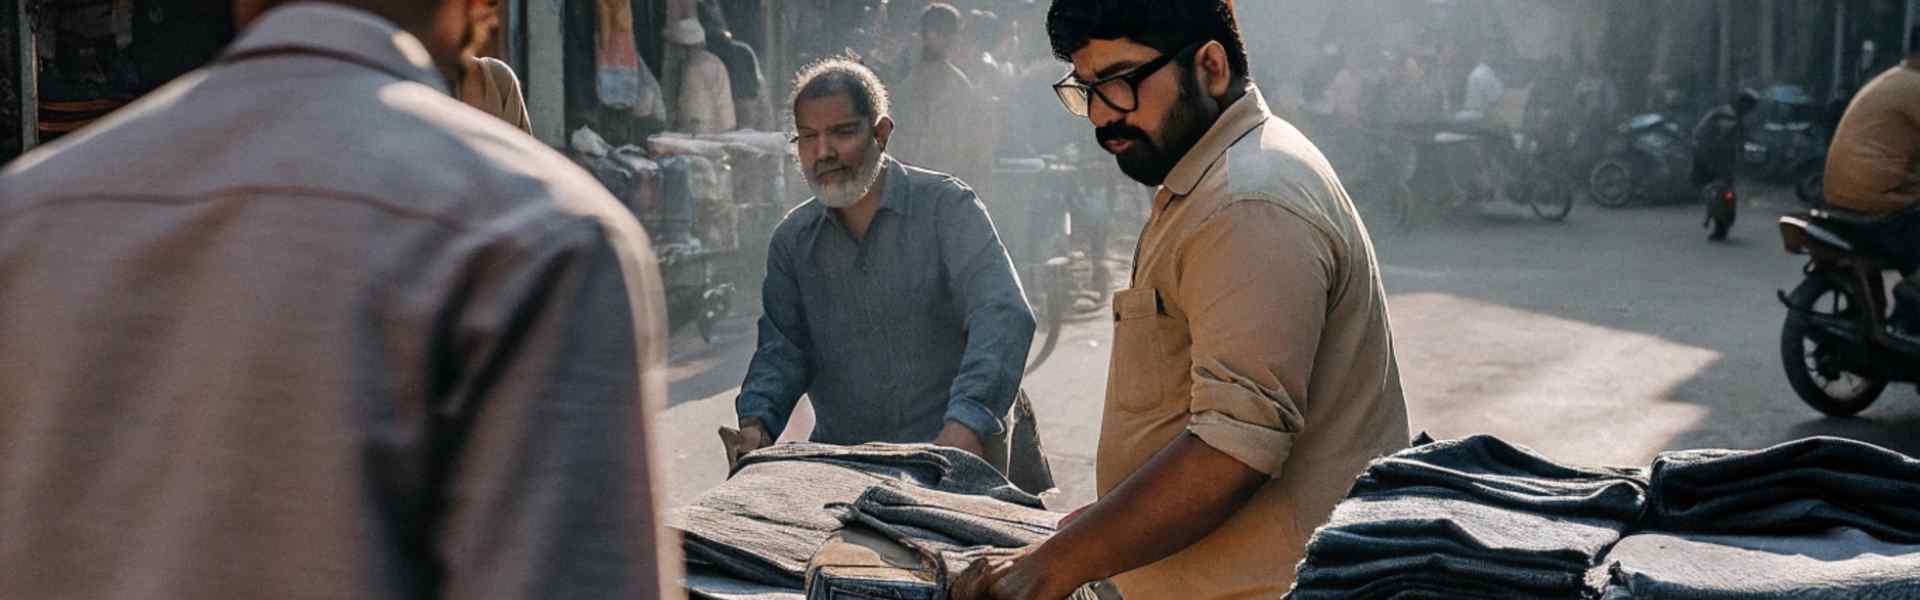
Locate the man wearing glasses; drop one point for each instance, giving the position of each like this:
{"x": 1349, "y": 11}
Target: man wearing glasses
{"x": 889, "y": 300}
{"x": 1253, "y": 374}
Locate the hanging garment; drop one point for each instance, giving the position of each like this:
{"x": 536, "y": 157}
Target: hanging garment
{"x": 621, "y": 80}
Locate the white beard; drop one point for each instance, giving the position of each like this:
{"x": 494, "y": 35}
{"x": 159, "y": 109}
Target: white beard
{"x": 849, "y": 191}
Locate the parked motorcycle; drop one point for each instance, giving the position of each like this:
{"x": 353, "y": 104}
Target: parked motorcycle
{"x": 1837, "y": 346}
{"x": 1789, "y": 144}
{"x": 1651, "y": 160}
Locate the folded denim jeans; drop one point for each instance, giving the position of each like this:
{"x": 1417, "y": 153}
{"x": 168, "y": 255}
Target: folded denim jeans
{"x": 1512, "y": 476}
{"x": 1429, "y": 530}
{"x": 1803, "y": 486}
{"x": 1839, "y": 564}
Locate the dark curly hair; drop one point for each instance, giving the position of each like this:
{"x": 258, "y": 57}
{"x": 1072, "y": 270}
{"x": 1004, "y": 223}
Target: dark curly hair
{"x": 1164, "y": 25}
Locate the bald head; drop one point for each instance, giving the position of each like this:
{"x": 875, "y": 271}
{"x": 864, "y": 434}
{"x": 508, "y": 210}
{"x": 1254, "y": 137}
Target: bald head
{"x": 445, "y": 27}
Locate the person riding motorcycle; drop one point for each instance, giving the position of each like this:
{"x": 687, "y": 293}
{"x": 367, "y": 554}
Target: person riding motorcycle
{"x": 1873, "y": 167}
{"x": 1719, "y": 138}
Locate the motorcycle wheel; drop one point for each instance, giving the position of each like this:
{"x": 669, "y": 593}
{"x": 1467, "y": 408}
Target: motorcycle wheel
{"x": 1810, "y": 366}
{"x": 1549, "y": 200}
{"x": 1611, "y": 183}
{"x": 1811, "y": 189}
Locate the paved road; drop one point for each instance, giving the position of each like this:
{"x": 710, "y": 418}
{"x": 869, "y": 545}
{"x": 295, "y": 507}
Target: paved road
{"x": 1603, "y": 340}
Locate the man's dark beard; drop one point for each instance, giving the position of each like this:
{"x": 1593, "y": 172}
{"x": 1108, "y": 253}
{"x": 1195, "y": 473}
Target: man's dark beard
{"x": 1184, "y": 125}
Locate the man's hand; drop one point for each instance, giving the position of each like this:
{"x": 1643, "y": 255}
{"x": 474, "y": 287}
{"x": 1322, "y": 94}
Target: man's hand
{"x": 1016, "y": 576}
{"x": 955, "y": 435}
{"x": 754, "y": 436}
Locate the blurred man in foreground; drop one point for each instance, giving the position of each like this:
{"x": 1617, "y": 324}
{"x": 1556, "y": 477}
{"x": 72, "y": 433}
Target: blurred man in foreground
{"x": 302, "y": 325}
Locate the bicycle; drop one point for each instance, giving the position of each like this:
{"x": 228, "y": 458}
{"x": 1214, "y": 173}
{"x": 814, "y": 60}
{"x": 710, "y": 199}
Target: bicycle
{"x": 1041, "y": 250}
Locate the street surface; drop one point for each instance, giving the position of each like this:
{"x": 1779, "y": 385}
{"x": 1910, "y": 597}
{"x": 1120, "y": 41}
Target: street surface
{"x": 1602, "y": 340}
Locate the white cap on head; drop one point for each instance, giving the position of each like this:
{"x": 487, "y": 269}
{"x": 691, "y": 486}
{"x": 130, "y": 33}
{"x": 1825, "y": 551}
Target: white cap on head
{"x": 687, "y": 32}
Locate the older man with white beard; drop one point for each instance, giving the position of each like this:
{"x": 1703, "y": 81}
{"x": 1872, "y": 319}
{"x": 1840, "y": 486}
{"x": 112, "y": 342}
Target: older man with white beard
{"x": 889, "y": 300}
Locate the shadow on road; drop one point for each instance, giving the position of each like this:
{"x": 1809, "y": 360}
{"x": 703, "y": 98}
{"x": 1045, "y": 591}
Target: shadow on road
{"x": 1611, "y": 337}
{"x": 699, "y": 369}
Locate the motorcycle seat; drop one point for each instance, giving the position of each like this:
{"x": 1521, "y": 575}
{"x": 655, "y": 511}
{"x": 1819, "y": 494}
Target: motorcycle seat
{"x": 1879, "y": 235}
{"x": 1843, "y": 217}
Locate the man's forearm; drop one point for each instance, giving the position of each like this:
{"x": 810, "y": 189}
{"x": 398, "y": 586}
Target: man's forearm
{"x": 998, "y": 338}
{"x": 1186, "y": 492}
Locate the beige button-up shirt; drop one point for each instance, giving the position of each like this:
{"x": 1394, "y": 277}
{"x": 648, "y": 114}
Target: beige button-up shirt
{"x": 1256, "y": 321}
{"x": 1875, "y": 164}
{"x": 301, "y": 325}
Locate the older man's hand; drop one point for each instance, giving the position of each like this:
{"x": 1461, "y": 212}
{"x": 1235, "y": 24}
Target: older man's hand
{"x": 956, "y": 435}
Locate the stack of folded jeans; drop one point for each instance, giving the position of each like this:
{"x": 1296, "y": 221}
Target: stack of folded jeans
{"x": 1819, "y": 518}
{"x": 1472, "y": 518}
{"x": 751, "y": 537}
{"x": 1804, "y": 486}
{"x": 1839, "y": 564}
{"x": 1814, "y": 518}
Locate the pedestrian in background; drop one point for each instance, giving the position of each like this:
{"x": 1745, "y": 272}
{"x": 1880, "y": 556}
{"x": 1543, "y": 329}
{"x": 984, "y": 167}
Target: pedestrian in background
{"x": 301, "y": 325}
{"x": 889, "y": 300}
{"x": 488, "y": 83}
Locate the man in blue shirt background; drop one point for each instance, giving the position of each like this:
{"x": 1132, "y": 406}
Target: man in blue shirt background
{"x": 889, "y": 299}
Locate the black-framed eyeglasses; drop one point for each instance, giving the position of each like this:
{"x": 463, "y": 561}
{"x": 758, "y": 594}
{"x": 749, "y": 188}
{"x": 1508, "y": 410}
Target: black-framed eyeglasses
{"x": 1120, "y": 90}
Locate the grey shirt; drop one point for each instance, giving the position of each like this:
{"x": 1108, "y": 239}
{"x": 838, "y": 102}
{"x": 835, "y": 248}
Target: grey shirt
{"x": 301, "y": 325}
{"x": 921, "y": 322}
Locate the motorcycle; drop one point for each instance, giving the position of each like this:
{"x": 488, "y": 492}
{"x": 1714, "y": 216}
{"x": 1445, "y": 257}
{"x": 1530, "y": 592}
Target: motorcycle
{"x": 1789, "y": 144}
{"x": 1837, "y": 347}
{"x": 1650, "y": 160}
{"x": 1721, "y": 204}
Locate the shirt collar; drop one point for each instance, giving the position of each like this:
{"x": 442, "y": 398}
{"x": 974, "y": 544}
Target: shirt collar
{"x": 894, "y": 198}
{"x": 1243, "y": 116}
{"x": 348, "y": 33}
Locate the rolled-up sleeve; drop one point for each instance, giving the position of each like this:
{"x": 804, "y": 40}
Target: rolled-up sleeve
{"x": 999, "y": 323}
{"x": 1255, "y": 281}
{"x": 781, "y": 370}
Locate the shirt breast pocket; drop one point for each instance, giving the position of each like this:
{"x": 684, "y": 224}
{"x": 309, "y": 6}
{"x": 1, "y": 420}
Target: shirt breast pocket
{"x": 1148, "y": 371}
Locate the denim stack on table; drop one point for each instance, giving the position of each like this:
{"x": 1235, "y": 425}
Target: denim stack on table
{"x": 1818, "y": 518}
{"x": 1472, "y": 518}
{"x": 1803, "y": 486}
{"x": 751, "y": 537}
{"x": 1838, "y": 564}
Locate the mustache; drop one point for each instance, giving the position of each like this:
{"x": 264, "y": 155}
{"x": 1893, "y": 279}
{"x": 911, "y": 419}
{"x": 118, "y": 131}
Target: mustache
{"x": 825, "y": 168}
{"x": 1118, "y": 132}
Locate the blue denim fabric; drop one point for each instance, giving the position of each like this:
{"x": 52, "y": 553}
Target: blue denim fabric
{"x": 1446, "y": 535}
{"x": 765, "y": 522}
{"x": 1840, "y": 564}
{"x": 920, "y": 323}
{"x": 1503, "y": 474}
{"x": 1476, "y": 515}
{"x": 1802, "y": 486}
